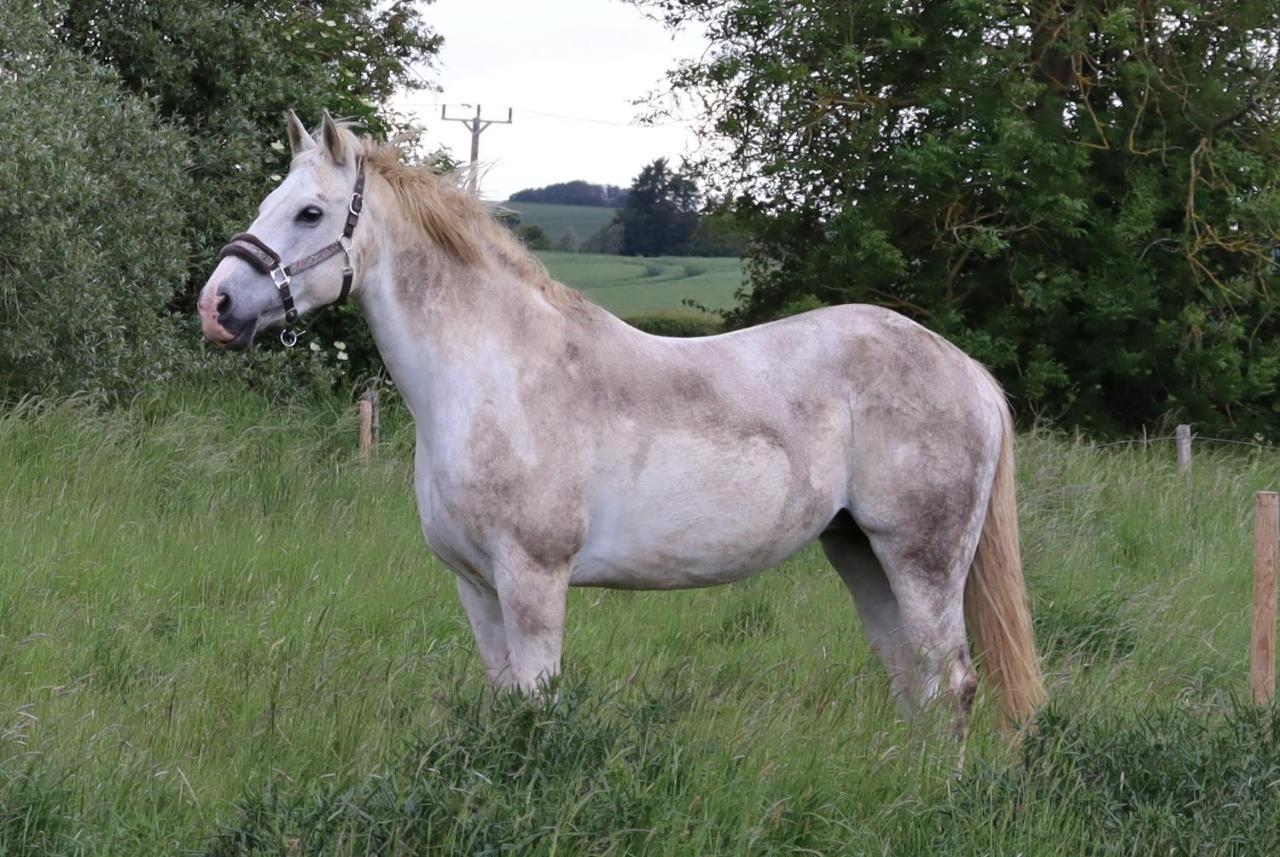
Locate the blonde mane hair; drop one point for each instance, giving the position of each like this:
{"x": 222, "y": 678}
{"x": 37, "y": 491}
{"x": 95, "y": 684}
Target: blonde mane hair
{"x": 458, "y": 222}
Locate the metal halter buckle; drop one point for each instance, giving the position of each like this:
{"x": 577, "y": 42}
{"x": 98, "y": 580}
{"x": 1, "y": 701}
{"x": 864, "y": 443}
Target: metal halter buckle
{"x": 280, "y": 277}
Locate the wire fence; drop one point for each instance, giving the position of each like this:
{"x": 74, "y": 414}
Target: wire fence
{"x": 1196, "y": 438}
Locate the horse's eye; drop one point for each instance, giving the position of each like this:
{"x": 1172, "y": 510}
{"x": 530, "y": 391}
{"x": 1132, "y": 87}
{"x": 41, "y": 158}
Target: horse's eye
{"x": 310, "y": 214}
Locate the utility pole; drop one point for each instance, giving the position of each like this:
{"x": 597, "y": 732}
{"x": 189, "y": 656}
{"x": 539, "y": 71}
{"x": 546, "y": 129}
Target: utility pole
{"x": 475, "y": 125}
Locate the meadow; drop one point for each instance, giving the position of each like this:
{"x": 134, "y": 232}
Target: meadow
{"x": 221, "y": 634}
{"x": 631, "y": 286}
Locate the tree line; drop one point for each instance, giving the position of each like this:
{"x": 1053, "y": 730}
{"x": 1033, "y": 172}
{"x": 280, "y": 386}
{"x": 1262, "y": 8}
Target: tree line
{"x": 575, "y": 192}
{"x": 662, "y": 213}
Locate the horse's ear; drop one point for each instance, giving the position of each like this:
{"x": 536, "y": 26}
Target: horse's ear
{"x": 299, "y": 140}
{"x": 333, "y": 141}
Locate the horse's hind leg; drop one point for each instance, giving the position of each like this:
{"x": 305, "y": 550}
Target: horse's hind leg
{"x": 913, "y": 614}
{"x": 850, "y": 553}
{"x": 928, "y": 583}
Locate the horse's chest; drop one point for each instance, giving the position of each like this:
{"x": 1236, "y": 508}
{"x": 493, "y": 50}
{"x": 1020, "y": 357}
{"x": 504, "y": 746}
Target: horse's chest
{"x": 476, "y": 509}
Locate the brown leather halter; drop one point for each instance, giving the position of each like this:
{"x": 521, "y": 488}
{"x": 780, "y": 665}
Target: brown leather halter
{"x": 257, "y": 253}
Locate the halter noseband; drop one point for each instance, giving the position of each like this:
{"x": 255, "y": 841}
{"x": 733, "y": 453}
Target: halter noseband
{"x": 255, "y": 251}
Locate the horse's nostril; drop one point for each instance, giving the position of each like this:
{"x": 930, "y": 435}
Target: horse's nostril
{"x": 224, "y": 304}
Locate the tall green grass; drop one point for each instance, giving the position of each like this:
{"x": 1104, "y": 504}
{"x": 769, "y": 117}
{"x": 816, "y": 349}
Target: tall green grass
{"x": 220, "y": 633}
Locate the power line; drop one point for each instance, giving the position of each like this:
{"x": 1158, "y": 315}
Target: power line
{"x": 602, "y": 121}
{"x": 422, "y": 105}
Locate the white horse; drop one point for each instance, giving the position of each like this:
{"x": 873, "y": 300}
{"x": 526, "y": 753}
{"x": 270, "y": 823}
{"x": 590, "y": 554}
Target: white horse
{"x": 557, "y": 446}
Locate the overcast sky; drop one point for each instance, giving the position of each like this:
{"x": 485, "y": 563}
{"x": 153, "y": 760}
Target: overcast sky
{"x": 585, "y": 60}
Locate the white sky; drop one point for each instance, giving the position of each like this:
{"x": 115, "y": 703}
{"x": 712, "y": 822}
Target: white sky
{"x": 583, "y": 59}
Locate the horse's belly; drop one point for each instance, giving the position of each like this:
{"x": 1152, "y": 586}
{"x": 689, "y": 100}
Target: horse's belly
{"x": 701, "y": 513}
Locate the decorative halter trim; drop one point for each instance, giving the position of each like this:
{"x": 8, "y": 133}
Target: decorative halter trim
{"x": 257, "y": 253}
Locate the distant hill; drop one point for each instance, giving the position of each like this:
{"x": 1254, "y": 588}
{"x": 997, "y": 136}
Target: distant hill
{"x": 575, "y": 193}
{"x": 633, "y": 287}
{"x": 555, "y": 220}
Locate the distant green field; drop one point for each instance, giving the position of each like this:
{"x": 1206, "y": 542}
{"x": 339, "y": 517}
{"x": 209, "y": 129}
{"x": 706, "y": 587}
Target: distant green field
{"x": 630, "y": 285}
{"x": 586, "y": 220}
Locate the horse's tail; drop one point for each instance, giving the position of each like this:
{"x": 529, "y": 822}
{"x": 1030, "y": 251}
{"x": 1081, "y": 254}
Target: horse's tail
{"x": 995, "y": 597}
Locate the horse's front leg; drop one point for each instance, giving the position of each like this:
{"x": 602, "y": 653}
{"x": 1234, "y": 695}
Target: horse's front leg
{"x": 485, "y": 614}
{"x": 532, "y": 597}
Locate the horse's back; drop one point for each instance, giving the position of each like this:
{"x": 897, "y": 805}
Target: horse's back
{"x": 728, "y": 453}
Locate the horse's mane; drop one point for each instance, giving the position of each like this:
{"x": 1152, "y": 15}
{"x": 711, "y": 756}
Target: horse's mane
{"x": 458, "y": 222}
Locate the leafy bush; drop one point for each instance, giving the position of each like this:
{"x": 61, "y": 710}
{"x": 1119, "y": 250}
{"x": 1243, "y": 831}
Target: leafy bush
{"x": 661, "y": 325}
{"x": 91, "y": 209}
{"x": 534, "y": 237}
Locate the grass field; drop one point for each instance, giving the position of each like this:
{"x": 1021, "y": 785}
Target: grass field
{"x": 555, "y": 220}
{"x": 220, "y": 634}
{"x": 633, "y": 286}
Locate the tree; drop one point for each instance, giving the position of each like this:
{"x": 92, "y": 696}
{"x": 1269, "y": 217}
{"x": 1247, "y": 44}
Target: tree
{"x": 534, "y": 237}
{"x": 568, "y": 241}
{"x": 719, "y": 233}
{"x": 1084, "y": 196}
{"x": 93, "y": 242}
{"x": 224, "y": 72}
{"x": 661, "y": 213}
{"x": 607, "y": 239}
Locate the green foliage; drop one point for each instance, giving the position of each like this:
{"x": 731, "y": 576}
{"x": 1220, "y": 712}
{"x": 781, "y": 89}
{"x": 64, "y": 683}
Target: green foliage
{"x": 223, "y": 74}
{"x": 718, "y": 234}
{"x": 605, "y": 240}
{"x": 227, "y": 72}
{"x": 532, "y": 236}
{"x": 92, "y": 189}
{"x": 677, "y": 325}
{"x": 568, "y": 242}
{"x": 1084, "y": 196}
{"x": 576, "y": 192}
{"x": 661, "y": 213}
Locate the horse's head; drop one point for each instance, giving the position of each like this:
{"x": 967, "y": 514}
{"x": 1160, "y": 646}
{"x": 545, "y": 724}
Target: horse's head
{"x": 296, "y": 256}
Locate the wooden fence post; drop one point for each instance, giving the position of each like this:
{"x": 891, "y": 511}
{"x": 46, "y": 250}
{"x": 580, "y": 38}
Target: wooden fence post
{"x": 368, "y": 424}
{"x": 1266, "y": 534}
{"x": 1183, "y": 435}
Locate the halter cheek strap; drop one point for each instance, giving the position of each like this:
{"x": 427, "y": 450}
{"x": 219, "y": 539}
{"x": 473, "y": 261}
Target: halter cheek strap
{"x": 257, "y": 253}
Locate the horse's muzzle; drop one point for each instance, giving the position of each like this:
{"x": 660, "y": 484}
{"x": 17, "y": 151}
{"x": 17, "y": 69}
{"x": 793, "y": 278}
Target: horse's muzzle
{"x": 220, "y": 326}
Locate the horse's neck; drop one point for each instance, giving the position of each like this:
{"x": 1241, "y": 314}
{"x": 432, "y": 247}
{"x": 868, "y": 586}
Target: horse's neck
{"x": 448, "y": 331}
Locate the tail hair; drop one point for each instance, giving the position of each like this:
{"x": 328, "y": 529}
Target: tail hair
{"x": 995, "y": 597}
